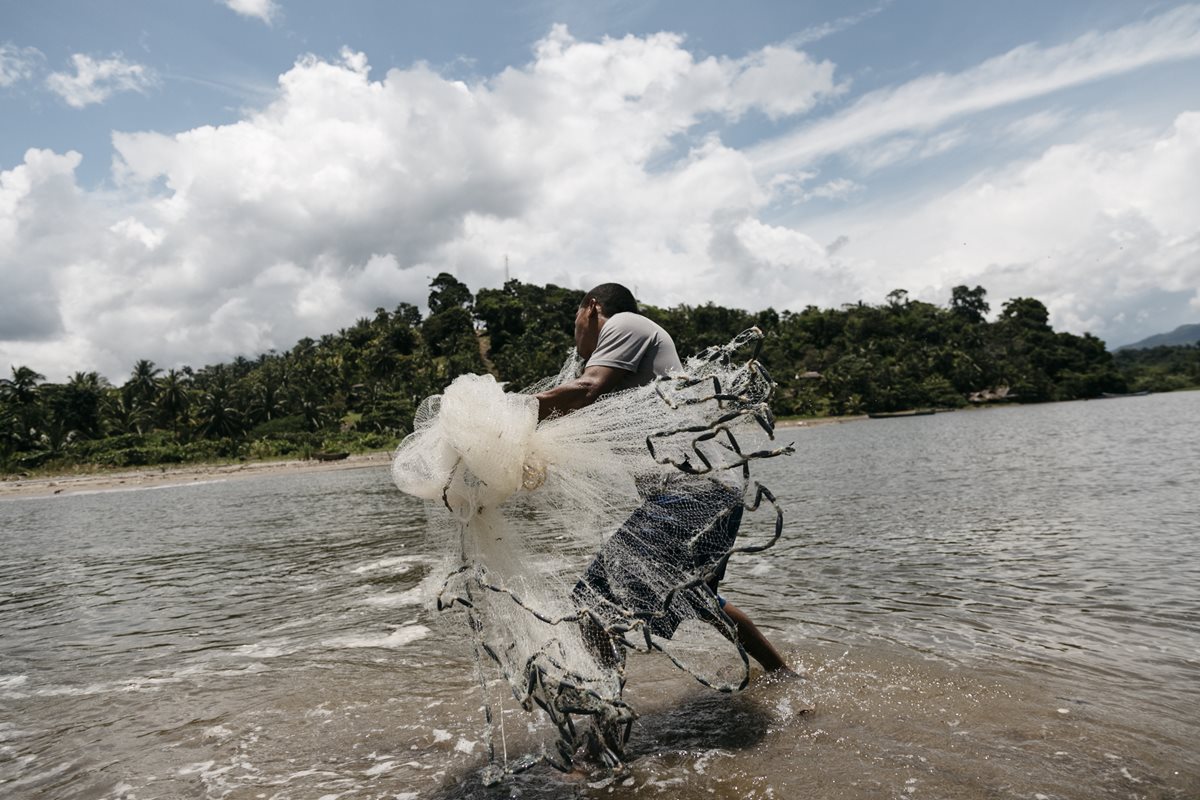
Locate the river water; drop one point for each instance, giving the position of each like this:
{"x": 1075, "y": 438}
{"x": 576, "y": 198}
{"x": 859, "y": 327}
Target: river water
{"x": 985, "y": 604}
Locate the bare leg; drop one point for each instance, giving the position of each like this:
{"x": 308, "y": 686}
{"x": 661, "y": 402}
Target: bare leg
{"x": 752, "y": 639}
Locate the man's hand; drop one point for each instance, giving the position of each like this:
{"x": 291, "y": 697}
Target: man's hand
{"x": 583, "y": 391}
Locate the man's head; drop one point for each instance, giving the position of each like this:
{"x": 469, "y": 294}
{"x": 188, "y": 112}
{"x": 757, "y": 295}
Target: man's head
{"x": 597, "y": 306}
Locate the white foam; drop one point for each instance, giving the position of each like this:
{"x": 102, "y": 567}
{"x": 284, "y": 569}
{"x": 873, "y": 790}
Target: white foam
{"x": 9, "y": 731}
{"x": 397, "y": 638}
{"x": 217, "y": 732}
{"x": 13, "y": 681}
{"x": 141, "y": 683}
{"x": 122, "y": 791}
{"x": 379, "y": 769}
{"x": 307, "y": 773}
{"x": 266, "y": 649}
{"x": 34, "y": 780}
{"x": 197, "y": 768}
{"x": 412, "y": 597}
{"x": 390, "y": 564}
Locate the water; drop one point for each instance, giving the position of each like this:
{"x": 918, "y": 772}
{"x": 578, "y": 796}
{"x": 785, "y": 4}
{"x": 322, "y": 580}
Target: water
{"x": 987, "y": 604}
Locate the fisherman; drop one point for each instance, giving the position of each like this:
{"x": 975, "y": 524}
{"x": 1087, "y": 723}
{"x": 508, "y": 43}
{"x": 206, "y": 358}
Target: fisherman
{"x": 622, "y": 349}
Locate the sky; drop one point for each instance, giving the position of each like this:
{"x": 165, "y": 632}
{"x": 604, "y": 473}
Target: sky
{"x": 191, "y": 181}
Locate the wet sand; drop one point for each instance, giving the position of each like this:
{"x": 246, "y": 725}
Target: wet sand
{"x": 160, "y": 476}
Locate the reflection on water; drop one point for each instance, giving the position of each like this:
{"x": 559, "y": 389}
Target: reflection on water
{"x": 987, "y": 604}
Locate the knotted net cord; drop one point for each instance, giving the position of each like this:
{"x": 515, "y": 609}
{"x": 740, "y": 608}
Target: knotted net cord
{"x": 519, "y": 511}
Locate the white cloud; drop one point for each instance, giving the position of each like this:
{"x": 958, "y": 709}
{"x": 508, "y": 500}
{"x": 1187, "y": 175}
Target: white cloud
{"x": 1093, "y": 228}
{"x": 347, "y": 193}
{"x": 827, "y": 29}
{"x": 836, "y": 189}
{"x": 1025, "y": 72}
{"x": 794, "y": 187}
{"x": 40, "y": 214}
{"x": 1035, "y": 125}
{"x": 266, "y": 10}
{"x": 909, "y": 149}
{"x": 95, "y": 80}
{"x": 18, "y": 63}
{"x": 757, "y": 83}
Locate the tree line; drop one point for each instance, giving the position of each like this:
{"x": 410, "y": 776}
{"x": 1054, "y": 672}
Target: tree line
{"x": 359, "y": 388}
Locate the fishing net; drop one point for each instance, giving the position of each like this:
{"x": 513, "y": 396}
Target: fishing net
{"x": 569, "y": 542}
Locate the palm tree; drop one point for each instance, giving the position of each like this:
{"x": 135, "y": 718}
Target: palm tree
{"x": 11, "y": 436}
{"x": 315, "y": 413}
{"x": 241, "y": 367}
{"x": 217, "y": 412}
{"x": 142, "y": 385}
{"x": 78, "y": 406}
{"x": 22, "y": 416}
{"x": 21, "y": 389}
{"x": 125, "y": 415}
{"x": 268, "y": 399}
{"x": 174, "y": 398}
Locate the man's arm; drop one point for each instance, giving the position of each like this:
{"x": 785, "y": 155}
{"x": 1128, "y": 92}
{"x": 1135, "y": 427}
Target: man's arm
{"x": 583, "y": 391}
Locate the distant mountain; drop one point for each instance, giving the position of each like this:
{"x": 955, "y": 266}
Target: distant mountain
{"x": 1184, "y": 334}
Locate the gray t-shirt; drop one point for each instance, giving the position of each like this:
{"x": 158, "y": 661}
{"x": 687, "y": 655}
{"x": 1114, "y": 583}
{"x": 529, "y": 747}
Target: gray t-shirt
{"x": 637, "y": 345}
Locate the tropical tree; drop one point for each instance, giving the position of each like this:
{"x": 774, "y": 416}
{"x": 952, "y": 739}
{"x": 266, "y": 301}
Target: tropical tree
{"x": 77, "y": 405}
{"x": 447, "y": 292}
{"x": 142, "y": 387}
{"x": 125, "y": 415}
{"x": 449, "y": 331}
{"x": 174, "y": 399}
{"x": 21, "y": 388}
{"x": 217, "y": 412}
{"x": 529, "y": 330}
{"x": 23, "y": 415}
{"x": 268, "y": 399}
{"x": 969, "y": 304}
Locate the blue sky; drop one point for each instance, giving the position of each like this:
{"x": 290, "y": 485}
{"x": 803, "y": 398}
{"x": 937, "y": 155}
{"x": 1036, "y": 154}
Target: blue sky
{"x": 190, "y": 181}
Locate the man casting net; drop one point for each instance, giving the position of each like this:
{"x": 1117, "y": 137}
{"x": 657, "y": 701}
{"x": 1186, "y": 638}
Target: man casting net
{"x": 596, "y": 514}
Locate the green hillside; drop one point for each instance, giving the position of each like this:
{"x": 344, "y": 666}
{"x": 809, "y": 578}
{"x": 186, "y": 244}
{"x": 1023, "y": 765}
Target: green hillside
{"x": 1184, "y": 334}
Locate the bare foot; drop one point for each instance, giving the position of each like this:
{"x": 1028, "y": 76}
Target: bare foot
{"x": 781, "y": 675}
{"x": 787, "y": 676}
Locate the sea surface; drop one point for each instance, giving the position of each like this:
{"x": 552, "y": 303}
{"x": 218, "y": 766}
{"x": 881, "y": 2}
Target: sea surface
{"x": 985, "y": 604}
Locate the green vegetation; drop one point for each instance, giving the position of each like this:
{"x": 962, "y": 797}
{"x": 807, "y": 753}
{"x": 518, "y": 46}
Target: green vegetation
{"x": 358, "y": 389}
{"x": 1160, "y": 369}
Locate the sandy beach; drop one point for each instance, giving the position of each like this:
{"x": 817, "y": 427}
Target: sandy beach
{"x": 13, "y": 487}
{"x": 151, "y": 477}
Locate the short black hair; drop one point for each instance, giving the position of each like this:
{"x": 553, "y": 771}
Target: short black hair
{"x": 612, "y": 297}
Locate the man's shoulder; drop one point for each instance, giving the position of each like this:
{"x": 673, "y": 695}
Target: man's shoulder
{"x": 635, "y": 343}
{"x": 632, "y": 322}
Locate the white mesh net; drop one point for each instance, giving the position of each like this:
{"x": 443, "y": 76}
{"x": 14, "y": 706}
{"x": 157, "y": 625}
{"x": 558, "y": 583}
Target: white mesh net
{"x": 568, "y": 542}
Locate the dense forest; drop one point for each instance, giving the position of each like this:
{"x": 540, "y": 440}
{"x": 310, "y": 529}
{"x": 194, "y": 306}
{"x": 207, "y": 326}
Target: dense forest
{"x": 359, "y": 388}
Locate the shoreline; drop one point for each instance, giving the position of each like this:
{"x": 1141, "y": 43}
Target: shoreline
{"x": 812, "y": 422}
{"x": 16, "y": 488}
{"x": 162, "y": 476}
